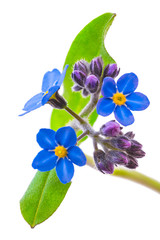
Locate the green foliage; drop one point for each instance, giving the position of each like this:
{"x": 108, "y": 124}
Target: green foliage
{"x": 43, "y": 197}
{"x": 88, "y": 44}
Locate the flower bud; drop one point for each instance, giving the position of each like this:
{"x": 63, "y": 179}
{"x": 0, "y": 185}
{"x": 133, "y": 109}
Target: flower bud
{"x": 136, "y": 145}
{"x": 130, "y": 135}
{"x": 102, "y": 164}
{"x": 132, "y": 162}
{"x": 111, "y": 70}
{"x": 136, "y": 153}
{"x": 117, "y": 157}
{"x": 96, "y": 66}
{"x": 110, "y": 129}
{"x": 121, "y": 142}
{"x": 76, "y": 88}
{"x": 85, "y": 92}
{"x": 79, "y": 77}
{"x": 92, "y": 83}
{"x": 57, "y": 102}
{"x": 82, "y": 66}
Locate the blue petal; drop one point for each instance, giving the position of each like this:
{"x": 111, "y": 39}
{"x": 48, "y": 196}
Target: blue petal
{"x": 47, "y": 96}
{"x": 49, "y": 79}
{"x": 76, "y": 155}
{"x": 61, "y": 79}
{"x": 127, "y": 83}
{"x": 46, "y": 139}
{"x": 108, "y": 87}
{"x": 123, "y": 115}
{"x": 137, "y": 101}
{"x": 44, "y": 161}
{"x": 65, "y": 170}
{"x": 105, "y": 106}
{"x": 33, "y": 102}
{"x": 66, "y": 137}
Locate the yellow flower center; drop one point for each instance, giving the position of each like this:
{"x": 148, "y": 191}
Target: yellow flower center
{"x": 119, "y": 98}
{"x": 60, "y": 151}
{"x": 52, "y": 97}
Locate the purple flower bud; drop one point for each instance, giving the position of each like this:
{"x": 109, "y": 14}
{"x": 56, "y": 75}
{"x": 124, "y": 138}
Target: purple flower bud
{"x": 96, "y": 66}
{"x": 76, "y": 88}
{"x": 121, "y": 142}
{"x": 136, "y": 145}
{"x": 79, "y": 77}
{"x": 117, "y": 157}
{"x": 111, "y": 70}
{"x": 85, "y": 92}
{"x": 102, "y": 164}
{"x": 110, "y": 129}
{"x": 136, "y": 153}
{"x": 130, "y": 135}
{"x": 132, "y": 162}
{"x": 92, "y": 83}
{"x": 82, "y": 66}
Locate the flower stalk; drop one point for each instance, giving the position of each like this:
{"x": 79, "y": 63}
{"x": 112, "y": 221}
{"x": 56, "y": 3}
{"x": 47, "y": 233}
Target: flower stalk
{"x": 131, "y": 175}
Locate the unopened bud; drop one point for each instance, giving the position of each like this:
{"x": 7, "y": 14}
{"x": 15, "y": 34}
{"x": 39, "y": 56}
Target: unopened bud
{"x": 76, "y": 88}
{"x": 130, "y": 135}
{"x": 118, "y": 157}
{"x": 136, "y": 153}
{"x": 85, "y": 92}
{"x": 82, "y": 66}
{"x": 132, "y": 162}
{"x": 92, "y": 83}
{"x": 136, "y": 145}
{"x": 96, "y": 66}
{"x": 102, "y": 164}
{"x": 110, "y": 129}
{"x": 121, "y": 142}
{"x": 79, "y": 77}
{"x": 111, "y": 70}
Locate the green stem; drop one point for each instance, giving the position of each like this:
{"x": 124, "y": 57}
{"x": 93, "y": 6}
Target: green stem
{"x": 131, "y": 175}
{"x": 76, "y": 116}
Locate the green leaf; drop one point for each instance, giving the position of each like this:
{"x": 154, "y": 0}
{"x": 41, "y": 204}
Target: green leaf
{"x": 89, "y": 43}
{"x": 43, "y": 197}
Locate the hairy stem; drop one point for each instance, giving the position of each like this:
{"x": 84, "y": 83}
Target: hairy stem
{"x": 85, "y": 126}
{"x": 131, "y": 175}
{"x": 82, "y": 135}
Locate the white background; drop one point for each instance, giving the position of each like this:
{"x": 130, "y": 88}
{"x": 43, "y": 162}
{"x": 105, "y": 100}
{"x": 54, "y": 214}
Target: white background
{"x": 34, "y": 38}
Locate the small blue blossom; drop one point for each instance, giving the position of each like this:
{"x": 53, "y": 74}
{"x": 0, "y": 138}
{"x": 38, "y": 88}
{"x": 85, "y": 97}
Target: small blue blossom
{"x": 120, "y": 98}
{"x": 52, "y": 81}
{"x": 59, "y": 151}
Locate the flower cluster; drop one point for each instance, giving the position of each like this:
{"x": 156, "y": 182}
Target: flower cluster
{"x": 59, "y": 148}
{"x": 87, "y": 76}
{"x": 124, "y": 149}
{"x": 59, "y": 151}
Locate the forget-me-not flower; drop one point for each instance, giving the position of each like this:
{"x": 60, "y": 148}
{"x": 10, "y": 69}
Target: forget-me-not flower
{"x": 59, "y": 151}
{"x": 52, "y": 81}
{"x": 120, "y": 98}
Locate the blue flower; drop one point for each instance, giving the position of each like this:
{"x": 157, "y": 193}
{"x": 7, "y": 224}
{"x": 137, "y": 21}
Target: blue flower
{"x": 59, "y": 151}
{"x": 52, "y": 81}
{"x": 121, "y": 98}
